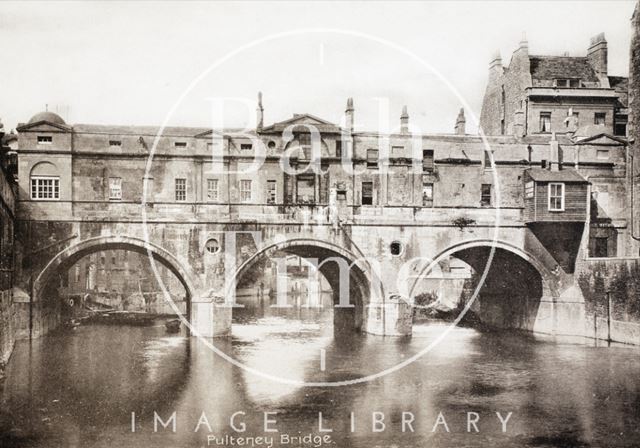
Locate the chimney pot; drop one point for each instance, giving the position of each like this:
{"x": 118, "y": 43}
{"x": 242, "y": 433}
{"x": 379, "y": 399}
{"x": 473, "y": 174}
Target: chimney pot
{"x": 259, "y": 113}
{"x": 404, "y": 121}
{"x": 461, "y": 122}
{"x": 349, "y": 115}
{"x": 523, "y": 42}
{"x": 554, "y": 154}
{"x": 496, "y": 60}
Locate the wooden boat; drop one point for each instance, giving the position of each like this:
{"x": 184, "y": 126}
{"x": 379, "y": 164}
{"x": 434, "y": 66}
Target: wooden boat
{"x": 172, "y": 326}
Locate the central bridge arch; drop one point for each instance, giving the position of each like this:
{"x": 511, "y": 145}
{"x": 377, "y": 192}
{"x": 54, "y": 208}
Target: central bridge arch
{"x": 361, "y": 284}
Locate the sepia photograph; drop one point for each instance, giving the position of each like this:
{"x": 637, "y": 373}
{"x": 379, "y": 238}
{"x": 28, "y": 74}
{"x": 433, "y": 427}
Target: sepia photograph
{"x": 320, "y": 224}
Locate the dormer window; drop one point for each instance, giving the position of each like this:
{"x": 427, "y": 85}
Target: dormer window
{"x": 115, "y": 143}
{"x": 180, "y": 145}
{"x": 572, "y": 83}
{"x": 45, "y": 139}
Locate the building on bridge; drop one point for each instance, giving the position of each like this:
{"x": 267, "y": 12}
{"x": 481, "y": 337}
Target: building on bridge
{"x": 96, "y": 169}
{"x": 77, "y": 180}
{"x": 573, "y": 95}
{"x": 577, "y": 99}
{"x": 556, "y": 195}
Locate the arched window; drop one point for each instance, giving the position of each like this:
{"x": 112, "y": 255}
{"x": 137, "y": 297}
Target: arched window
{"x": 45, "y": 182}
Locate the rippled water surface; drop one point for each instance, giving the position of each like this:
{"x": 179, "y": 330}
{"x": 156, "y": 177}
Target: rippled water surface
{"x": 79, "y": 388}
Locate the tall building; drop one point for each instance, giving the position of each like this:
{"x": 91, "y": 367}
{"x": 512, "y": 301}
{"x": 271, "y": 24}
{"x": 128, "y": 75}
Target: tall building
{"x": 634, "y": 129}
{"x": 7, "y": 246}
{"x": 68, "y": 170}
{"x": 541, "y": 94}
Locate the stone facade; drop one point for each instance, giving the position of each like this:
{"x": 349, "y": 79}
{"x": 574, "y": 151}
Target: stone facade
{"x": 7, "y": 251}
{"x": 552, "y": 202}
{"x": 572, "y": 95}
{"x": 612, "y": 306}
{"x": 386, "y": 197}
{"x": 634, "y": 128}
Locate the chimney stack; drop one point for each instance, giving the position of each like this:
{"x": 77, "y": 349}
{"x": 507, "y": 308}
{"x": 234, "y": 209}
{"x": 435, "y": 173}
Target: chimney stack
{"x": 260, "y": 113}
{"x": 349, "y": 115}
{"x": 496, "y": 61}
{"x": 554, "y": 154}
{"x": 597, "y": 55}
{"x": 524, "y": 43}
{"x": 461, "y": 123}
{"x": 404, "y": 121}
{"x": 518, "y": 123}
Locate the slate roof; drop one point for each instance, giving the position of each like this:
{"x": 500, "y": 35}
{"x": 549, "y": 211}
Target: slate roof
{"x": 545, "y": 175}
{"x": 621, "y": 85}
{"x": 138, "y": 130}
{"x": 552, "y": 67}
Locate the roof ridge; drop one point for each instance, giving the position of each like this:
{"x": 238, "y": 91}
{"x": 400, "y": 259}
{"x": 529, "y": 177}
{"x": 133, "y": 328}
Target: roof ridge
{"x": 555, "y": 56}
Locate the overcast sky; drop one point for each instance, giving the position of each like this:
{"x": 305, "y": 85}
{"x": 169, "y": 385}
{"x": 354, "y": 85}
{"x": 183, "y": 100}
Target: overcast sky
{"x": 128, "y": 63}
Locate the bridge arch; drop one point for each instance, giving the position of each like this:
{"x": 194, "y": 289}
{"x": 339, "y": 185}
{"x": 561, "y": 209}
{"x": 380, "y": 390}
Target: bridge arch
{"x": 515, "y": 286}
{"x": 361, "y": 284}
{"x": 67, "y": 257}
{"x": 545, "y": 272}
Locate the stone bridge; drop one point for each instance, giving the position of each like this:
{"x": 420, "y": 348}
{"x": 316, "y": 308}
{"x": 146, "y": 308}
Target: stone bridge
{"x": 528, "y": 285}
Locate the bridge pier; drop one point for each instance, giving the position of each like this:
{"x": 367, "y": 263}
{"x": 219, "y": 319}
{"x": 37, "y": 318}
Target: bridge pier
{"x": 344, "y": 320}
{"x": 390, "y": 317}
{"x": 209, "y": 318}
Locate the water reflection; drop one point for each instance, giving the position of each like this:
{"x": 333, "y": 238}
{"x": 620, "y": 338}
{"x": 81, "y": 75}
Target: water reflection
{"x": 79, "y": 389}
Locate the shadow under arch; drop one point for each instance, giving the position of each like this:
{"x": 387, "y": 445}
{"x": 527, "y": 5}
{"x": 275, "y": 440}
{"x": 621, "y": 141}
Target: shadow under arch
{"x": 361, "y": 284}
{"x": 515, "y": 283}
{"x": 66, "y": 258}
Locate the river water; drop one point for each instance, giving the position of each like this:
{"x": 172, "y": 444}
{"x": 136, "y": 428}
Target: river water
{"x": 79, "y": 388}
